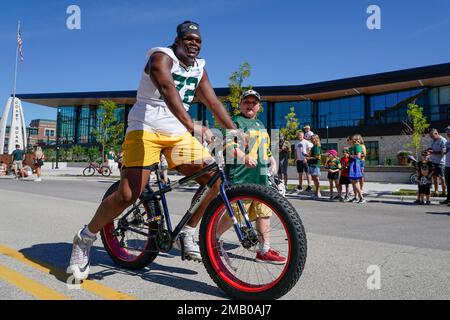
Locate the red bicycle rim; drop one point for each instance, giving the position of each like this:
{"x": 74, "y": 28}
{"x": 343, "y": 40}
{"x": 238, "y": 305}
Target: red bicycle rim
{"x": 222, "y": 270}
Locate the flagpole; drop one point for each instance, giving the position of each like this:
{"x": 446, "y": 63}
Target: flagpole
{"x": 15, "y": 68}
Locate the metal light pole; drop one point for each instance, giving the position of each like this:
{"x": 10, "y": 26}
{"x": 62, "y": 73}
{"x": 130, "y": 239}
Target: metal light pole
{"x": 57, "y": 152}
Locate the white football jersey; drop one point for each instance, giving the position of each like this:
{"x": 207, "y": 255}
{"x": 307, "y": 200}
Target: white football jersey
{"x": 150, "y": 112}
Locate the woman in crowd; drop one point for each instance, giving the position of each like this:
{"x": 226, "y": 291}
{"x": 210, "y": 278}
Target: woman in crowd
{"x": 313, "y": 160}
{"x": 355, "y": 173}
{"x": 38, "y": 159}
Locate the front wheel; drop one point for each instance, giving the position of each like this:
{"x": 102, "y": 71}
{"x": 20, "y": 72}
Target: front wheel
{"x": 246, "y": 272}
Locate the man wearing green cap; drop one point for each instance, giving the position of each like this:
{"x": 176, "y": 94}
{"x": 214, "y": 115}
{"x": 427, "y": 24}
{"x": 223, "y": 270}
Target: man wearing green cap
{"x": 159, "y": 122}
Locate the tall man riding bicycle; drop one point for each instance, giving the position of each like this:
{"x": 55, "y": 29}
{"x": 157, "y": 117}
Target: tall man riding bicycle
{"x": 159, "y": 122}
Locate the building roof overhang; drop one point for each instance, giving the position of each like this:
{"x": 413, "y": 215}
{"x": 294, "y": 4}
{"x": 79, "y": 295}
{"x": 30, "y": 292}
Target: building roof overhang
{"x": 429, "y": 76}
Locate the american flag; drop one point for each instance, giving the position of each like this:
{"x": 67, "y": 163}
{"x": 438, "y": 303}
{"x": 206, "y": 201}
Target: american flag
{"x": 19, "y": 43}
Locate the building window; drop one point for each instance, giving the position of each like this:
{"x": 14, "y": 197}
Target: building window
{"x": 49, "y": 132}
{"x": 372, "y": 156}
{"x": 302, "y": 109}
{"x": 345, "y": 112}
{"x": 444, "y": 95}
{"x": 391, "y": 107}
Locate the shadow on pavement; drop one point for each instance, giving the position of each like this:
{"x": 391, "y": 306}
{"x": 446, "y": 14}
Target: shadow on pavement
{"x": 440, "y": 213}
{"x": 55, "y": 257}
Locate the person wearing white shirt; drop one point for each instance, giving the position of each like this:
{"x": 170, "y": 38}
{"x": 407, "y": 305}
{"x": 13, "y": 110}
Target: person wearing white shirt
{"x": 308, "y": 132}
{"x": 302, "y": 148}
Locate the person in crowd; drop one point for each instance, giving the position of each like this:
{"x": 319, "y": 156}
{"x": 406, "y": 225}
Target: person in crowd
{"x": 26, "y": 170}
{"x": 285, "y": 151}
{"x": 447, "y": 166}
{"x": 355, "y": 173}
{"x": 3, "y": 168}
{"x": 333, "y": 166}
{"x": 425, "y": 170}
{"x": 363, "y": 162}
{"x": 119, "y": 159}
{"x": 308, "y": 132}
{"x": 314, "y": 164}
{"x": 437, "y": 157}
{"x": 18, "y": 156}
{"x": 344, "y": 179}
{"x": 38, "y": 159}
{"x": 163, "y": 166}
{"x": 302, "y": 148}
{"x": 110, "y": 158}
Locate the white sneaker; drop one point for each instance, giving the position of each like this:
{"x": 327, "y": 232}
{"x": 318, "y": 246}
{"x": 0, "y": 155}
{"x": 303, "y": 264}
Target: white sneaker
{"x": 79, "y": 259}
{"x": 37, "y": 180}
{"x": 191, "y": 248}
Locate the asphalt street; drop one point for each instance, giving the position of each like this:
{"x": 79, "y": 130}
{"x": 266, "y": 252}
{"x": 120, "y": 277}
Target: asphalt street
{"x": 409, "y": 244}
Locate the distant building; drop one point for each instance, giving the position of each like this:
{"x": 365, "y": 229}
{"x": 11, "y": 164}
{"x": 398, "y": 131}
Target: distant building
{"x": 46, "y": 131}
{"x": 372, "y": 105}
{"x": 39, "y": 132}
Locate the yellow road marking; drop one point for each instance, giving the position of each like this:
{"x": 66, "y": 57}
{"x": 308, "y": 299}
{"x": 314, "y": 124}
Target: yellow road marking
{"x": 29, "y": 285}
{"x": 88, "y": 285}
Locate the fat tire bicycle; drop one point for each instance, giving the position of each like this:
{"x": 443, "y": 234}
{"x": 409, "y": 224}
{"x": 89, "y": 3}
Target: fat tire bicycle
{"x": 92, "y": 167}
{"x": 135, "y": 238}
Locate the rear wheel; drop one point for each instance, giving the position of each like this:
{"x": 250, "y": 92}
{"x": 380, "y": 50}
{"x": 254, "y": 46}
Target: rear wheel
{"x": 126, "y": 248}
{"x": 106, "y": 171}
{"x": 88, "y": 171}
{"x": 413, "y": 178}
{"x": 240, "y": 271}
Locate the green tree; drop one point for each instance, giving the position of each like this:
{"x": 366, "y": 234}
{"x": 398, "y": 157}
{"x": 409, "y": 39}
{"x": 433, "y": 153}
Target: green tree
{"x": 93, "y": 154}
{"x": 416, "y": 126}
{"x": 50, "y": 154}
{"x": 77, "y": 152}
{"x": 110, "y": 131}
{"x": 291, "y": 130}
{"x": 237, "y": 79}
{"x": 66, "y": 154}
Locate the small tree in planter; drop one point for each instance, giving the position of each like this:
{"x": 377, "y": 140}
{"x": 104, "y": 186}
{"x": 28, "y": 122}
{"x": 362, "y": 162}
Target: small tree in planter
{"x": 416, "y": 126}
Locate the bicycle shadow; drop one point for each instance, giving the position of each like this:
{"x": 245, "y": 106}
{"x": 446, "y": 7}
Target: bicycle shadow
{"x": 55, "y": 257}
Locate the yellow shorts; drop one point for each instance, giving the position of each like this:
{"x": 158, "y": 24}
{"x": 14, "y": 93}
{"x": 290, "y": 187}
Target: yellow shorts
{"x": 254, "y": 210}
{"x": 142, "y": 148}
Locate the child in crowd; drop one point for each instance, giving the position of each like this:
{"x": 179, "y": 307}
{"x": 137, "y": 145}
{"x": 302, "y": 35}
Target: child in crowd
{"x": 425, "y": 170}
{"x": 3, "y": 168}
{"x": 344, "y": 179}
{"x": 333, "y": 166}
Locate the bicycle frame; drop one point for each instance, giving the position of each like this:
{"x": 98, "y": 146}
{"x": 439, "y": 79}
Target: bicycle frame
{"x": 164, "y": 188}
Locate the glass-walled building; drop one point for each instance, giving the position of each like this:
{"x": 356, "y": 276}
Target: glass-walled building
{"x": 78, "y": 124}
{"x": 374, "y": 106}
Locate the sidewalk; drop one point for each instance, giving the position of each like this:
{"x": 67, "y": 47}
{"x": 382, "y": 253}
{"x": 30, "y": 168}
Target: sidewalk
{"x": 373, "y": 190}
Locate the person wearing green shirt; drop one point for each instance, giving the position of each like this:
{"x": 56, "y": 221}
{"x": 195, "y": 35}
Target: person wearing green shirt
{"x": 313, "y": 160}
{"x": 333, "y": 166}
{"x": 251, "y": 165}
{"x": 18, "y": 156}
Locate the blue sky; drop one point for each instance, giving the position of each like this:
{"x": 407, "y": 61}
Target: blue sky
{"x": 285, "y": 42}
